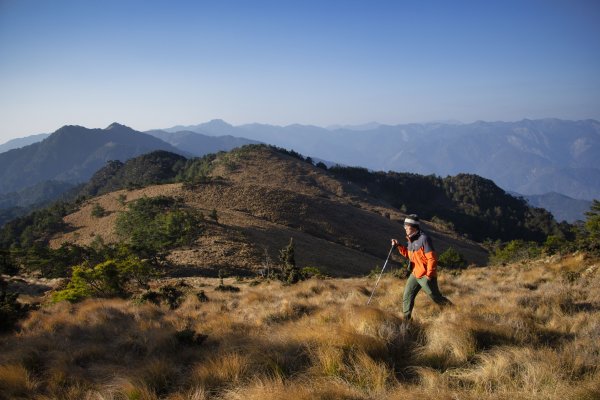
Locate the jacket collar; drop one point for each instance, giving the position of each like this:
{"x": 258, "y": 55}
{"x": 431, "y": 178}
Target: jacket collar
{"x": 414, "y": 236}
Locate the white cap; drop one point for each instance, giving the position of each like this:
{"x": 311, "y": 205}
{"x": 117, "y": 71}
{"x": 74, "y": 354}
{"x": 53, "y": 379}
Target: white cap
{"x": 412, "y": 219}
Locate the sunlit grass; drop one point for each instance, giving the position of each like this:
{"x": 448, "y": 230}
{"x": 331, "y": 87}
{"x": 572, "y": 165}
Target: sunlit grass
{"x": 522, "y": 331}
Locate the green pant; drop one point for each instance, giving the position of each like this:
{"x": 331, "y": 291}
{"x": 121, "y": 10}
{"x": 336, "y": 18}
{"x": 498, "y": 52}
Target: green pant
{"x": 413, "y": 285}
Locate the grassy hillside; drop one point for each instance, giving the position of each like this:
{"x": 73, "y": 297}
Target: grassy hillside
{"x": 262, "y": 198}
{"x": 525, "y": 331}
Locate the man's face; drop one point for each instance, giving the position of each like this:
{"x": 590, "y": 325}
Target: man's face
{"x": 409, "y": 229}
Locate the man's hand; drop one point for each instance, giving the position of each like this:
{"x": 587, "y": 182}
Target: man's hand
{"x": 394, "y": 242}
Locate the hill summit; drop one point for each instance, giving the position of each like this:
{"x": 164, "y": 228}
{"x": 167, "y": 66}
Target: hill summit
{"x": 72, "y": 154}
{"x": 261, "y": 197}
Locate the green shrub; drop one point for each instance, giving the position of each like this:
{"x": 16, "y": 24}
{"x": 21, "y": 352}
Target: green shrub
{"x": 227, "y": 288}
{"x": 515, "y": 250}
{"x": 122, "y": 198}
{"x": 37, "y": 227}
{"x": 171, "y": 295}
{"x": 196, "y": 171}
{"x": 311, "y": 272}
{"x": 592, "y": 222}
{"x": 202, "y": 296}
{"x": 150, "y": 296}
{"x": 53, "y": 263}
{"x": 98, "y": 211}
{"x": 589, "y": 237}
{"x": 110, "y": 278}
{"x": 451, "y": 259}
{"x": 555, "y": 245}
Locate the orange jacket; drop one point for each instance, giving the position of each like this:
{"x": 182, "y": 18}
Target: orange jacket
{"x": 421, "y": 255}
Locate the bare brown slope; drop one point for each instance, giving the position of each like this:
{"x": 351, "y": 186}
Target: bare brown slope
{"x": 263, "y": 198}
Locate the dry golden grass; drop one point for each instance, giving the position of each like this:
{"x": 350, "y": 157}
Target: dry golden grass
{"x": 525, "y": 331}
{"x": 16, "y": 381}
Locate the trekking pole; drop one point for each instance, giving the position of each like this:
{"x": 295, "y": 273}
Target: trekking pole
{"x": 382, "y": 269}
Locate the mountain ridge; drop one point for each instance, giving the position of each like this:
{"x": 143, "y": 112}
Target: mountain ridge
{"x": 17, "y": 143}
{"x": 199, "y": 144}
{"x": 563, "y": 208}
{"x": 72, "y": 154}
{"x": 527, "y": 156}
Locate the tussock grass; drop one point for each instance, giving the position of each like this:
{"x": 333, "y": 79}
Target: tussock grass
{"x": 450, "y": 341}
{"x": 526, "y": 331}
{"x": 16, "y": 381}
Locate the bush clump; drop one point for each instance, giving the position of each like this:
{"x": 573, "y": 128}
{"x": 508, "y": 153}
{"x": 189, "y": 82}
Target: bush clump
{"x": 98, "y": 211}
{"x": 153, "y": 225}
{"x": 311, "y": 272}
{"x": 222, "y": 287}
{"x": 452, "y": 259}
{"x": 111, "y": 278}
{"x": 514, "y": 251}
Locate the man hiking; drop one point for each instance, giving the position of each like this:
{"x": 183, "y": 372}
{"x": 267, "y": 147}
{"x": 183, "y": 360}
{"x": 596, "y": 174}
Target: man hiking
{"x": 422, "y": 264}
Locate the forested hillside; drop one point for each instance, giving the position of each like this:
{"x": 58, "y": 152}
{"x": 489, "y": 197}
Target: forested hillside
{"x": 468, "y": 204}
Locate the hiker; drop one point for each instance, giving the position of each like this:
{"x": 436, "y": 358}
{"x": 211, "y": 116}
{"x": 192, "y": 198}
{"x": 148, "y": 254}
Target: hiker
{"x": 423, "y": 261}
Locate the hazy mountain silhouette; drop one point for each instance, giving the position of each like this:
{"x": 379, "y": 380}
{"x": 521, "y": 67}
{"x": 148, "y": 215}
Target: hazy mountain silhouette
{"x": 562, "y": 207}
{"x": 199, "y": 144}
{"x": 215, "y": 127}
{"x": 72, "y": 154}
{"x": 22, "y": 142}
{"x": 528, "y": 156}
{"x": 42, "y": 192}
{"x": 15, "y": 204}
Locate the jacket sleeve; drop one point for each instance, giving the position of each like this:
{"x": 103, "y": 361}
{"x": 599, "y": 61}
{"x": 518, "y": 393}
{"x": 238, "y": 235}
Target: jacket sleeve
{"x": 402, "y": 250}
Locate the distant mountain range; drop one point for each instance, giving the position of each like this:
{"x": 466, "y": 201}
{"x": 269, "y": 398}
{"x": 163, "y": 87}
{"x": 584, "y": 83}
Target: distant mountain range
{"x": 552, "y": 163}
{"x": 40, "y": 168}
{"x": 528, "y": 156}
{"x": 562, "y": 207}
{"x": 39, "y": 193}
{"x": 199, "y": 144}
{"x": 15, "y": 204}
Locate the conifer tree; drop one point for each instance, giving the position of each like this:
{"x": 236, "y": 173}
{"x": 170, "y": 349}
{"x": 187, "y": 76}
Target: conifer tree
{"x": 288, "y": 260}
{"x": 592, "y": 222}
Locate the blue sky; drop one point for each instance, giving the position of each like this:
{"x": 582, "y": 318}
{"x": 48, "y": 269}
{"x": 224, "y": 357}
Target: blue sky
{"x": 155, "y": 64}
